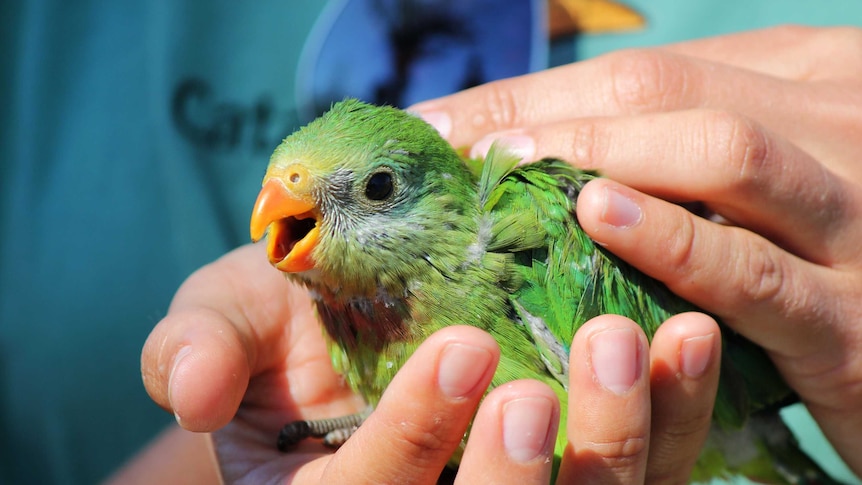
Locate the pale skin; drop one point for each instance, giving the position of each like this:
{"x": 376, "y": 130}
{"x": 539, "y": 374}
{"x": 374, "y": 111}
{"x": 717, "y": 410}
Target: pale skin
{"x": 763, "y": 127}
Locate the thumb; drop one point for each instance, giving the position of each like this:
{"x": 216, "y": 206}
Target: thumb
{"x": 195, "y": 366}
{"x": 228, "y": 322}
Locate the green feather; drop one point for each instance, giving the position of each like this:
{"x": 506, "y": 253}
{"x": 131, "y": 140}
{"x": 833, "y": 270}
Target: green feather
{"x": 498, "y": 247}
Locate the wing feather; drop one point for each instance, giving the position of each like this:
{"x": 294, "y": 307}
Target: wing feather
{"x": 565, "y": 279}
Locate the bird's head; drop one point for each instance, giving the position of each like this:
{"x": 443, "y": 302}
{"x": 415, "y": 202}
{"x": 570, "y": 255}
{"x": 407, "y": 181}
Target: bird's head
{"x": 365, "y": 196}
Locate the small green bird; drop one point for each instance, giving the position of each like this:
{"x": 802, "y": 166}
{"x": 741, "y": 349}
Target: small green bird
{"x": 388, "y": 226}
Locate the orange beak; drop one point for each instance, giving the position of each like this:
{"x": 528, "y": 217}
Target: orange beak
{"x": 292, "y": 225}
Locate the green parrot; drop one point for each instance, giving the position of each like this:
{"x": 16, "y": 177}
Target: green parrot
{"x": 387, "y": 225}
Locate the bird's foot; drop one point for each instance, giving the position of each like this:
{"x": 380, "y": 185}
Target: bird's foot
{"x": 333, "y": 431}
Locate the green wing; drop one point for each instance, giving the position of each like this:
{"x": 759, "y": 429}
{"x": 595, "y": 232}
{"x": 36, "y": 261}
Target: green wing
{"x": 564, "y": 279}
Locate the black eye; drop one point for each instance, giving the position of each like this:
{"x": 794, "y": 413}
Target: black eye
{"x": 379, "y": 186}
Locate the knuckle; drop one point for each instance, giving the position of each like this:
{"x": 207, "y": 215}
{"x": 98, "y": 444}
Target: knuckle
{"x": 832, "y": 203}
{"x": 589, "y": 143}
{"x": 425, "y": 441}
{"x": 762, "y": 276}
{"x": 680, "y": 248}
{"x": 744, "y": 148}
{"x": 647, "y": 80}
{"x": 500, "y": 108}
{"x": 620, "y": 454}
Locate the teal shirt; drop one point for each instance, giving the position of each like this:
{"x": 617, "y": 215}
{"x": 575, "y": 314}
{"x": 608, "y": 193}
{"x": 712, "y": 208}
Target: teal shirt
{"x": 133, "y": 138}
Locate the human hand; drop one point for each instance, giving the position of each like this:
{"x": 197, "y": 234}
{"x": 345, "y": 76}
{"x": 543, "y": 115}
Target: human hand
{"x": 765, "y": 129}
{"x": 240, "y": 354}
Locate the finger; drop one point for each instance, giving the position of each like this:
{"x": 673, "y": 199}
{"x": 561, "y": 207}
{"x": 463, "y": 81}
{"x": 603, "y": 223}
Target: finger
{"x": 684, "y": 363}
{"x": 423, "y": 414}
{"x": 632, "y": 82}
{"x": 609, "y": 409}
{"x": 747, "y": 174}
{"x": 512, "y": 437}
{"x": 727, "y": 271}
{"x": 622, "y": 83}
{"x": 194, "y": 365}
{"x": 788, "y": 51}
{"x": 226, "y": 323}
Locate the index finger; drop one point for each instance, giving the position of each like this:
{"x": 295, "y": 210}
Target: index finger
{"x": 620, "y": 83}
{"x": 634, "y": 82}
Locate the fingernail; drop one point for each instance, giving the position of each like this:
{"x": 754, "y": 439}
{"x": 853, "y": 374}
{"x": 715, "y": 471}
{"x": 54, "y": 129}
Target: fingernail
{"x": 461, "y": 368}
{"x": 440, "y": 120}
{"x": 481, "y": 147}
{"x": 526, "y": 426}
{"x": 615, "y": 360}
{"x": 178, "y": 359}
{"x": 619, "y": 210}
{"x": 520, "y": 145}
{"x": 694, "y": 355}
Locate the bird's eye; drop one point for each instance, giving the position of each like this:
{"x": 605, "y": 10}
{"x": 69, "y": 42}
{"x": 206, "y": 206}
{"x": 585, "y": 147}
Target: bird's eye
{"x": 379, "y": 186}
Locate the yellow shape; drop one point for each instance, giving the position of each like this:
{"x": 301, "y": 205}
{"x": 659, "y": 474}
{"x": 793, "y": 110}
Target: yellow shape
{"x": 568, "y": 17}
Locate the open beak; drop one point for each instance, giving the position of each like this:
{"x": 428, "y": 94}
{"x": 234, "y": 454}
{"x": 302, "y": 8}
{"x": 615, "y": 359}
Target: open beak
{"x": 292, "y": 225}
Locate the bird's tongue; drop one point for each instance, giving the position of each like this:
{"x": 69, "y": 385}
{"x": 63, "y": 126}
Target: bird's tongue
{"x": 291, "y": 241}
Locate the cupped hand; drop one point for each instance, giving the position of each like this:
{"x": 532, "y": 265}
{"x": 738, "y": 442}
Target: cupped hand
{"x": 240, "y": 354}
{"x": 765, "y": 129}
